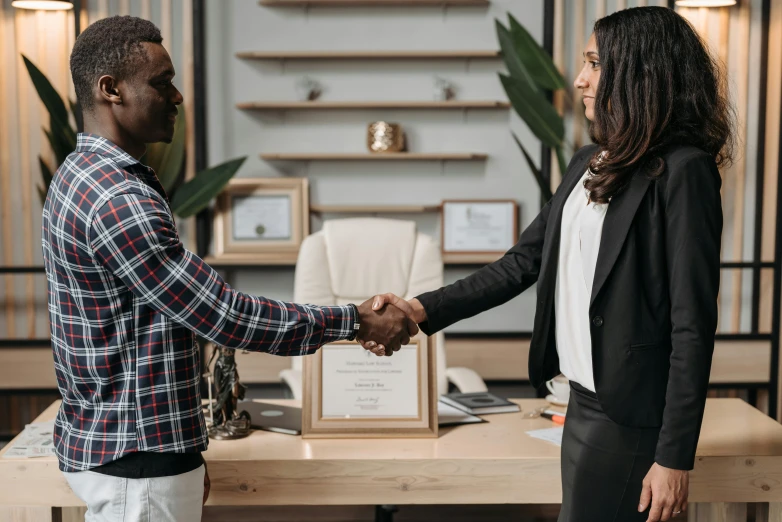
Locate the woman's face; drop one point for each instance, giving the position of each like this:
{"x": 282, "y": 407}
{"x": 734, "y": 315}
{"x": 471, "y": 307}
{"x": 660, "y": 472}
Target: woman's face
{"x": 587, "y": 79}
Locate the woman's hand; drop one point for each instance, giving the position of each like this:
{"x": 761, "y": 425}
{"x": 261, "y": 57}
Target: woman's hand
{"x": 667, "y": 490}
{"x": 413, "y": 309}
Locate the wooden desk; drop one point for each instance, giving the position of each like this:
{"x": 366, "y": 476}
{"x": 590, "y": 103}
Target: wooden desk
{"x": 739, "y": 462}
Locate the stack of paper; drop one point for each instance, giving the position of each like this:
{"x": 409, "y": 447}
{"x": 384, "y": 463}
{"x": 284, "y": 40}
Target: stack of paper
{"x": 34, "y": 441}
{"x": 447, "y": 415}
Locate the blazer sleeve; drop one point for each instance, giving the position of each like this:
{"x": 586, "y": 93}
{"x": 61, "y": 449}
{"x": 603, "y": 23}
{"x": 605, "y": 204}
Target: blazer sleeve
{"x": 693, "y": 225}
{"x": 497, "y": 282}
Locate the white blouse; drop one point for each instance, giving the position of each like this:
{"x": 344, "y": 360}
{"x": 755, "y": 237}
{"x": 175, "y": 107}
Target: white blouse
{"x": 582, "y": 228}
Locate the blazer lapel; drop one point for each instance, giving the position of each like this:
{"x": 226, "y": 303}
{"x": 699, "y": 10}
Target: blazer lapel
{"x": 619, "y": 217}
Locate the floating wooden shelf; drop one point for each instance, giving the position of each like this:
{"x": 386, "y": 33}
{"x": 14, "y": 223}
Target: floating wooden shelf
{"x": 372, "y": 3}
{"x": 368, "y": 55}
{"x": 450, "y": 258}
{"x": 388, "y": 156}
{"x": 270, "y": 259}
{"x": 373, "y": 209}
{"x": 363, "y": 105}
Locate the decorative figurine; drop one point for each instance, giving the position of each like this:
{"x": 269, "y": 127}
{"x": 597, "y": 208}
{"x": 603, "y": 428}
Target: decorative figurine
{"x": 308, "y": 89}
{"x": 444, "y": 90}
{"x": 227, "y": 424}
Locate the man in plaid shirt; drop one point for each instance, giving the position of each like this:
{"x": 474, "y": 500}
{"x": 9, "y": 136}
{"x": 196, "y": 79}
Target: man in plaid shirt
{"x": 126, "y": 298}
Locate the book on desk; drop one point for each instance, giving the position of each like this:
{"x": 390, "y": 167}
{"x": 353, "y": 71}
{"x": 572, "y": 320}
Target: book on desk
{"x": 480, "y": 403}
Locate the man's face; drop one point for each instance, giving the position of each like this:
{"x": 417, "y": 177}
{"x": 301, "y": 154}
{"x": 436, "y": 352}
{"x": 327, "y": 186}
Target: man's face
{"x": 149, "y": 102}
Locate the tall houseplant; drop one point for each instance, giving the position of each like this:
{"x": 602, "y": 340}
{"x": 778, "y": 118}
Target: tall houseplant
{"x": 166, "y": 159}
{"x": 531, "y": 72}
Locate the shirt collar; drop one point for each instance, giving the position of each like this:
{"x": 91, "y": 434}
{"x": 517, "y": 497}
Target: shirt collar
{"x": 92, "y": 143}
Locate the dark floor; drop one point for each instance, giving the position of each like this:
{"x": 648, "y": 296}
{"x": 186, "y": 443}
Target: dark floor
{"x": 490, "y": 513}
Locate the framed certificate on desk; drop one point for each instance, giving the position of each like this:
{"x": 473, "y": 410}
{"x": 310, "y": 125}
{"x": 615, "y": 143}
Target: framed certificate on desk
{"x": 350, "y": 392}
{"x": 261, "y": 215}
{"x": 479, "y": 226}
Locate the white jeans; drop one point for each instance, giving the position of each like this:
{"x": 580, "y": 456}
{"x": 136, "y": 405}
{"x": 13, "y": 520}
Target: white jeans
{"x": 163, "y": 499}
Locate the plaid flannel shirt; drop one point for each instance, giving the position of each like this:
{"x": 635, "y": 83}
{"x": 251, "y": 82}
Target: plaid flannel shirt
{"x": 125, "y": 302}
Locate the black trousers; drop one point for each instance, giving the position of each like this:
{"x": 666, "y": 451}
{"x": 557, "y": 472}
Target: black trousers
{"x": 603, "y": 463}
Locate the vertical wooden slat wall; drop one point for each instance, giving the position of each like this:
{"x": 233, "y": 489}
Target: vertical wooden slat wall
{"x": 23, "y": 118}
{"x": 727, "y": 32}
{"x": 771, "y": 171}
{"x": 23, "y": 312}
{"x": 6, "y": 213}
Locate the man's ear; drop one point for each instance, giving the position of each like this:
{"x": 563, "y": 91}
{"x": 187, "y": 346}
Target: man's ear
{"x": 107, "y": 88}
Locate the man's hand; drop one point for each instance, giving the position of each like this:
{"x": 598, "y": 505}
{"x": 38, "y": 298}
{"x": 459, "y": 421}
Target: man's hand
{"x": 412, "y": 309}
{"x": 388, "y": 328}
{"x": 667, "y": 490}
{"x": 207, "y": 484}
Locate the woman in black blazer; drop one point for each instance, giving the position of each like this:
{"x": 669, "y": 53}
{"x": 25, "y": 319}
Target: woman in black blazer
{"x": 638, "y": 327}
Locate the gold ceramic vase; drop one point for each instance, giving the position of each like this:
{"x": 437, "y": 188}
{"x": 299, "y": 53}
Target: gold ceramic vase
{"x": 385, "y": 137}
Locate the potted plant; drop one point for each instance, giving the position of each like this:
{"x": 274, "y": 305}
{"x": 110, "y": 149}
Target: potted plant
{"x": 531, "y": 72}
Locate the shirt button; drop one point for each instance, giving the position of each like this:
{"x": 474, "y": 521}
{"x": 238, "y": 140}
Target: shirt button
{"x": 597, "y": 321}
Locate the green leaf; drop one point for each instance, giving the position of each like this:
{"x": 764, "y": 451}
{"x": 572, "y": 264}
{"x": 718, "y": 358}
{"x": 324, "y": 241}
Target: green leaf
{"x": 60, "y": 146}
{"x": 511, "y": 55}
{"x": 46, "y": 172}
{"x": 49, "y": 96}
{"x": 536, "y": 60}
{"x": 41, "y": 193}
{"x": 545, "y": 188}
{"x": 561, "y": 161}
{"x": 195, "y": 195}
{"x": 166, "y": 159}
{"x": 535, "y": 110}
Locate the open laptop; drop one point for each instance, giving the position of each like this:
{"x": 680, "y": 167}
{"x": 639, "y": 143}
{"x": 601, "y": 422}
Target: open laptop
{"x": 272, "y": 417}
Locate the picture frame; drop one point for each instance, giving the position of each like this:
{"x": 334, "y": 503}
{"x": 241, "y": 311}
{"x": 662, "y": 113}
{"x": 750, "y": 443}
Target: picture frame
{"x": 261, "y": 216}
{"x": 478, "y": 226}
{"x": 340, "y": 400}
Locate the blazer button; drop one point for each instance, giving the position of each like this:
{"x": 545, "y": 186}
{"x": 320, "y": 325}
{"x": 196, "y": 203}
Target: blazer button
{"x": 597, "y": 321}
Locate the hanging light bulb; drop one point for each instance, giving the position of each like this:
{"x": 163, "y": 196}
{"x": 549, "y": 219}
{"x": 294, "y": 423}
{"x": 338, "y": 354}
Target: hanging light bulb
{"x": 43, "y": 5}
{"x": 705, "y": 3}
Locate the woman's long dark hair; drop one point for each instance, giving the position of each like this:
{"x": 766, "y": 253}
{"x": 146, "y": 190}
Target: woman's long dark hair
{"x": 658, "y": 87}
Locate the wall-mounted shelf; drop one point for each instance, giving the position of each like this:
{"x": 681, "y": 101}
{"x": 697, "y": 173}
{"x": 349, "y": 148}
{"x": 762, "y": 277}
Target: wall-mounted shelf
{"x": 270, "y": 259}
{"x": 387, "y": 156}
{"x": 450, "y": 258}
{"x": 368, "y": 55}
{"x": 373, "y": 3}
{"x": 364, "y": 105}
{"x": 373, "y": 209}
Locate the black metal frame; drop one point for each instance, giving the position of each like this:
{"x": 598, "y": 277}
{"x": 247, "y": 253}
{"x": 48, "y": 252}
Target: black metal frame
{"x": 775, "y": 307}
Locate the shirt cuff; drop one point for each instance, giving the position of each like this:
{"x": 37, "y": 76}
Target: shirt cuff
{"x": 339, "y": 323}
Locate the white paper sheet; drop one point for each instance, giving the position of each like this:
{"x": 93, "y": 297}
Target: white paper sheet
{"x": 553, "y": 435}
{"x": 35, "y": 441}
{"x": 447, "y": 415}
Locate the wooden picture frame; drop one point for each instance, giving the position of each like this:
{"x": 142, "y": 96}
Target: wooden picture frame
{"x": 318, "y": 423}
{"x": 245, "y": 202}
{"x": 447, "y": 242}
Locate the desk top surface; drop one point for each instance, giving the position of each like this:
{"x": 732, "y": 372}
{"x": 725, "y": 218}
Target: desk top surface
{"x": 731, "y": 427}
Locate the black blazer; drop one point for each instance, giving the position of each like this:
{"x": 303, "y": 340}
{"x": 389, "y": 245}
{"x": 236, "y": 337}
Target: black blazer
{"x": 653, "y": 309}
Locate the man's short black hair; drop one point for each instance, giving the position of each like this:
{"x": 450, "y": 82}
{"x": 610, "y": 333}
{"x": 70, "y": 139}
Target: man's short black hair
{"x": 111, "y": 46}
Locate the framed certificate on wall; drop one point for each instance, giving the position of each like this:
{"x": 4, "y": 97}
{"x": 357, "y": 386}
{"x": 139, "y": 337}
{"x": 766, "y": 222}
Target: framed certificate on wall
{"x": 479, "y": 226}
{"x": 350, "y": 392}
{"x": 261, "y": 215}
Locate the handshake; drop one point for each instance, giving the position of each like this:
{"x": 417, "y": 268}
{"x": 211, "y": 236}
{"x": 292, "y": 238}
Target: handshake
{"x": 387, "y": 323}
